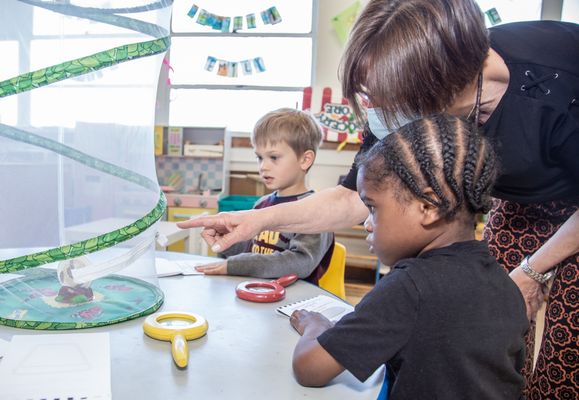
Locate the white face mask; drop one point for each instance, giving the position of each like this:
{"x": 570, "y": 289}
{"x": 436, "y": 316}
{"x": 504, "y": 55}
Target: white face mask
{"x": 377, "y": 125}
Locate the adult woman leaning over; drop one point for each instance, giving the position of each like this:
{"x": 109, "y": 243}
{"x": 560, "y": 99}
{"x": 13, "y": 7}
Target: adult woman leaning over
{"x": 417, "y": 57}
{"x": 520, "y": 82}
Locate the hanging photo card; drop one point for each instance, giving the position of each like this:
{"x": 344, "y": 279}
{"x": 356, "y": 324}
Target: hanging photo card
{"x": 237, "y": 23}
{"x": 493, "y": 16}
{"x": 193, "y": 11}
{"x": 202, "y": 18}
{"x": 275, "y": 16}
{"x": 246, "y": 67}
{"x": 222, "y": 70}
{"x": 226, "y": 21}
{"x": 250, "y": 18}
{"x": 259, "y": 65}
{"x": 210, "y": 63}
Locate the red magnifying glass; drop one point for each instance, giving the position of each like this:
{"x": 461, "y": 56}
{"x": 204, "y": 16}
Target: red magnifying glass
{"x": 265, "y": 292}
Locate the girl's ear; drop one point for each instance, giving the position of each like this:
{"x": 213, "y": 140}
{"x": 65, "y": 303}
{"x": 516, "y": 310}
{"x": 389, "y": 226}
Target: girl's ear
{"x": 430, "y": 214}
{"x": 307, "y": 159}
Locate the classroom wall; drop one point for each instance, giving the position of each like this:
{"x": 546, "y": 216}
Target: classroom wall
{"x": 329, "y": 50}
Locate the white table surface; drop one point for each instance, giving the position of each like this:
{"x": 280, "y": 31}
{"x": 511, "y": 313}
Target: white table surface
{"x": 246, "y": 353}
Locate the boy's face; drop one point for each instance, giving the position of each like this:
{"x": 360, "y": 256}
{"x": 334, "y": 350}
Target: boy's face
{"x": 394, "y": 229}
{"x": 280, "y": 168}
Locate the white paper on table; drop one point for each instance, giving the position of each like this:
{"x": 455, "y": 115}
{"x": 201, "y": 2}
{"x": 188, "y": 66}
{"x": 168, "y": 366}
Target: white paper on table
{"x": 65, "y": 366}
{"x": 330, "y": 307}
{"x": 166, "y": 267}
{"x": 3, "y": 347}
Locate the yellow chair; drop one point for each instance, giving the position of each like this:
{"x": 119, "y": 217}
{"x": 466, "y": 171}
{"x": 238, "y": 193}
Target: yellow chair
{"x": 333, "y": 279}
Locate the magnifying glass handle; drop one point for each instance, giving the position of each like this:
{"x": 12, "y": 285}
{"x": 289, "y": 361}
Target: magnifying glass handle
{"x": 287, "y": 280}
{"x": 180, "y": 350}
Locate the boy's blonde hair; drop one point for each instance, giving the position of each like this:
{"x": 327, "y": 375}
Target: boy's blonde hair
{"x": 297, "y": 128}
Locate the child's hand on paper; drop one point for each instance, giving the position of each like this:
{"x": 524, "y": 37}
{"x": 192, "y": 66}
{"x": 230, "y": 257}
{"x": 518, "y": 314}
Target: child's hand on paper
{"x": 214, "y": 269}
{"x": 312, "y": 322}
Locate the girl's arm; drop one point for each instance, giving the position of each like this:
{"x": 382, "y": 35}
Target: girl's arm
{"x": 312, "y": 364}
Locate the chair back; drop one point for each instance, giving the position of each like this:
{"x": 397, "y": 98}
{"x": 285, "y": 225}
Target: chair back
{"x": 333, "y": 279}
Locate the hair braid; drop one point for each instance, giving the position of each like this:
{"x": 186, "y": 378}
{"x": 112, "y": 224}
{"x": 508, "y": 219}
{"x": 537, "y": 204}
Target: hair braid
{"x": 423, "y": 158}
{"x": 484, "y": 182}
{"x": 469, "y": 170}
{"x": 396, "y": 164}
{"x": 447, "y": 138}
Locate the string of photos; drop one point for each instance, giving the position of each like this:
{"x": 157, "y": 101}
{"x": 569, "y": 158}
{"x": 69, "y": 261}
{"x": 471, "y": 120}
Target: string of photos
{"x": 271, "y": 16}
{"x": 230, "y": 68}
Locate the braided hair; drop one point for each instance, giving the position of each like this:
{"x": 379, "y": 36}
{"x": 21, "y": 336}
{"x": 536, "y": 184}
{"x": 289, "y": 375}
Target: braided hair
{"x": 440, "y": 152}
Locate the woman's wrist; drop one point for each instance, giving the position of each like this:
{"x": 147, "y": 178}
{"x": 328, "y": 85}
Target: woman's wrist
{"x": 537, "y": 276}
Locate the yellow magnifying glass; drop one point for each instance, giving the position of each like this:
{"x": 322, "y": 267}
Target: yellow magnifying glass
{"x": 178, "y": 328}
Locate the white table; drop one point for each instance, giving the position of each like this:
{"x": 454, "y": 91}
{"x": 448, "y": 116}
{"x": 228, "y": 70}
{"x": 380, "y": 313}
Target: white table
{"x": 246, "y": 353}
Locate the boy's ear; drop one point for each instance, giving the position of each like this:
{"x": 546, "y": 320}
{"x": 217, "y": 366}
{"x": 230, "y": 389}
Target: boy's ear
{"x": 307, "y": 159}
{"x": 430, "y": 213}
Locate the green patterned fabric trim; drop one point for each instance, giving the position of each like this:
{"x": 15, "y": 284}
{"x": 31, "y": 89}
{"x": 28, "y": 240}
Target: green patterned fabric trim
{"x": 84, "y": 65}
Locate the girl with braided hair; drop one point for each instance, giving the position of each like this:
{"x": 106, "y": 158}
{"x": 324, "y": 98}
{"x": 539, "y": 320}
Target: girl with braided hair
{"x": 447, "y": 321}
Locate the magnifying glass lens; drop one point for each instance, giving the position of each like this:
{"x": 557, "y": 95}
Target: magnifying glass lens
{"x": 174, "y": 322}
{"x": 257, "y": 289}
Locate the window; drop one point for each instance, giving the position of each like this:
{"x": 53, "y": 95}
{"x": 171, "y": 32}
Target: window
{"x": 49, "y": 38}
{"x": 201, "y": 97}
{"x": 8, "y": 69}
{"x": 510, "y": 10}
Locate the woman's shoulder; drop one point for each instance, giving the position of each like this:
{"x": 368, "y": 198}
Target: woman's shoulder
{"x": 549, "y": 43}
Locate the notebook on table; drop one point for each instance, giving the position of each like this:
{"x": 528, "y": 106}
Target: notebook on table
{"x": 330, "y": 307}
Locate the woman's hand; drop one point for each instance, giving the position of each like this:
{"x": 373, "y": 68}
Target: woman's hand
{"x": 223, "y": 230}
{"x": 533, "y": 292}
{"x": 214, "y": 269}
{"x": 315, "y": 323}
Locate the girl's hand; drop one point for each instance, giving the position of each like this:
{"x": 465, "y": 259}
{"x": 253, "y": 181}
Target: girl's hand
{"x": 533, "y": 292}
{"x": 315, "y": 323}
{"x": 214, "y": 269}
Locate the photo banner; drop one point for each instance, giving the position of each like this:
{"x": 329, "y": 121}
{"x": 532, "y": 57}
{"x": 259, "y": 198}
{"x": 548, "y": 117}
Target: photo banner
{"x": 270, "y": 16}
{"x": 234, "y": 69}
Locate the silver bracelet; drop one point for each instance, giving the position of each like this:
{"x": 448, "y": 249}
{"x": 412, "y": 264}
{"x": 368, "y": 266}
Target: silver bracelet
{"x": 541, "y": 278}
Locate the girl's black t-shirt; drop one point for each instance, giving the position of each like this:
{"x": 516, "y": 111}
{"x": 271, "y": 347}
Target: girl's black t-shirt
{"x": 449, "y": 324}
